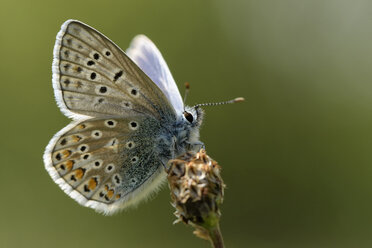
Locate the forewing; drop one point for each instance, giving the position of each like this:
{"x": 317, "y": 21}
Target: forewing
{"x": 146, "y": 55}
{"x": 93, "y": 77}
{"x": 106, "y": 164}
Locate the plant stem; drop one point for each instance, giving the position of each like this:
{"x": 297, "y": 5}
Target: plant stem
{"x": 216, "y": 236}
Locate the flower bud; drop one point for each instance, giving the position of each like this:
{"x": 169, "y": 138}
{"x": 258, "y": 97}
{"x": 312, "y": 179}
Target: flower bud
{"x": 197, "y": 191}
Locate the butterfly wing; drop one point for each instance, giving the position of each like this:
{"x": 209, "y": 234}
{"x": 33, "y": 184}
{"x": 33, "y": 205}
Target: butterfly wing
{"x": 106, "y": 158}
{"x": 149, "y": 59}
{"x": 106, "y": 164}
{"x": 93, "y": 77}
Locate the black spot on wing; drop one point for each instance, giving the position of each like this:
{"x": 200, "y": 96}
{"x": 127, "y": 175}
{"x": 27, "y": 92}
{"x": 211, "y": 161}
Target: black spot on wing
{"x": 118, "y": 75}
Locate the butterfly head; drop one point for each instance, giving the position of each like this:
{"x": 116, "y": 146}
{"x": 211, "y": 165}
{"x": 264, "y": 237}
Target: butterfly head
{"x": 193, "y": 116}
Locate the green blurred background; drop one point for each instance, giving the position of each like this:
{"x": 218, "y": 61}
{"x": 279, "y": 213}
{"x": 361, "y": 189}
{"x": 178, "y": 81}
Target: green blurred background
{"x": 296, "y": 156}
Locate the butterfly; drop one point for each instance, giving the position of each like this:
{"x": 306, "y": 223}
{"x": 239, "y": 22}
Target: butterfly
{"x": 128, "y": 119}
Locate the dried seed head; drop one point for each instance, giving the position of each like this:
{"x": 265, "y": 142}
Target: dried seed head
{"x": 197, "y": 190}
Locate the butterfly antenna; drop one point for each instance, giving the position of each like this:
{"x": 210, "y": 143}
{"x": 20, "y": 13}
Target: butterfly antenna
{"x": 187, "y": 88}
{"x": 238, "y": 99}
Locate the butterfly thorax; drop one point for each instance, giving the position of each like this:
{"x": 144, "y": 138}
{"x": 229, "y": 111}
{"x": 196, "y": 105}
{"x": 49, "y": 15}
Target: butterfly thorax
{"x": 183, "y": 136}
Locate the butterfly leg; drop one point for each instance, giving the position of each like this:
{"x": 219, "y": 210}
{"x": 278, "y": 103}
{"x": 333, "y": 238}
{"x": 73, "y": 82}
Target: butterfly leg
{"x": 164, "y": 165}
{"x": 196, "y": 146}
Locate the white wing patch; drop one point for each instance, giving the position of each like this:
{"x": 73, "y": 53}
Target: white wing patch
{"x": 145, "y": 54}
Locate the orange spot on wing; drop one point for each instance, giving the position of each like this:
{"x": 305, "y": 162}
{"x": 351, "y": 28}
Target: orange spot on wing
{"x": 117, "y": 196}
{"x": 82, "y": 126}
{"x": 92, "y": 184}
{"x": 66, "y": 153}
{"x": 110, "y": 193}
{"x": 69, "y": 164}
{"x": 79, "y": 173}
{"x": 76, "y": 138}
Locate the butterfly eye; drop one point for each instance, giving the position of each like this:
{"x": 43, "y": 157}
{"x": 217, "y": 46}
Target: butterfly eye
{"x": 188, "y": 116}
